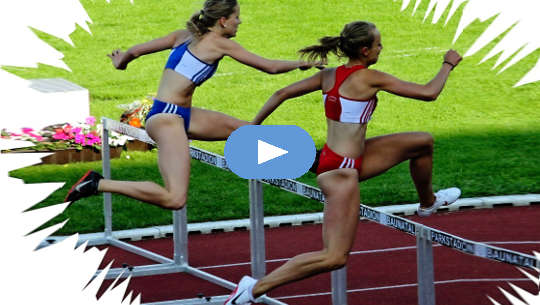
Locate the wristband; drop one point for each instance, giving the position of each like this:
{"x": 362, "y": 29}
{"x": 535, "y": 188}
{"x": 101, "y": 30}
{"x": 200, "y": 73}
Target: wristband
{"x": 451, "y": 65}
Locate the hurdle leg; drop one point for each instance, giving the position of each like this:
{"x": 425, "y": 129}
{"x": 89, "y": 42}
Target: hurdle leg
{"x": 256, "y": 233}
{"x": 339, "y": 286}
{"x": 180, "y": 236}
{"x": 106, "y": 166}
{"x": 425, "y": 273}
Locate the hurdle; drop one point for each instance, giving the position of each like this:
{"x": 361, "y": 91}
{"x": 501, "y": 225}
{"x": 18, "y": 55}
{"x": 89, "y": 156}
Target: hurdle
{"x": 180, "y": 263}
{"x": 425, "y": 236}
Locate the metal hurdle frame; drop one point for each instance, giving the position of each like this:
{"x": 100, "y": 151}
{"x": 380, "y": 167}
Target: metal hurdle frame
{"x": 425, "y": 236}
{"x": 180, "y": 263}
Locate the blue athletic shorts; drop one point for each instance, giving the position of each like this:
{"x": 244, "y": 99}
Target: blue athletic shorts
{"x": 162, "y": 107}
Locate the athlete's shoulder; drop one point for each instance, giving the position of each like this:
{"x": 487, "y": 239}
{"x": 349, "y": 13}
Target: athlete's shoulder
{"x": 375, "y": 73}
{"x": 181, "y": 36}
{"x": 328, "y": 71}
{"x": 372, "y": 76}
{"x": 225, "y": 43}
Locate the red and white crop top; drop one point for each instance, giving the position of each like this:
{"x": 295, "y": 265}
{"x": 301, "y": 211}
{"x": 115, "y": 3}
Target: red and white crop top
{"x": 346, "y": 110}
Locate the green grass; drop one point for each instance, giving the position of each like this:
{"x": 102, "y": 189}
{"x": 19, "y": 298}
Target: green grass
{"x": 487, "y": 133}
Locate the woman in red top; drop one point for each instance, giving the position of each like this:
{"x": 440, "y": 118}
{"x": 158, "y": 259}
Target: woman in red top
{"x": 349, "y": 94}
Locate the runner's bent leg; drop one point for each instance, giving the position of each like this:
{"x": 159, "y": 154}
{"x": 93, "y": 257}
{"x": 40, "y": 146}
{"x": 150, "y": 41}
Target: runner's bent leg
{"x": 208, "y": 125}
{"x": 174, "y": 164}
{"x": 384, "y": 152}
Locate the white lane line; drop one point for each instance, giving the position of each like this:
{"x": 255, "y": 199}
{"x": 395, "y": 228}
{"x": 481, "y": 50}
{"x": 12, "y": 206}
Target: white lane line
{"x": 224, "y": 74}
{"x": 369, "y": 252}
{"x": 286, "y": 259}
{"x": 416, "y": 50}
{"x": 511, "y": 242}
{"x": 404, "y": 286}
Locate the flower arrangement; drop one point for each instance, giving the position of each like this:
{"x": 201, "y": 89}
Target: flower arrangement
{"x": 65, "y": 136}
{"x": 136, "y": 112}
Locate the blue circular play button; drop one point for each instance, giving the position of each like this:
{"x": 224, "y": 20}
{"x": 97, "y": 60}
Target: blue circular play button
{"x": 269, "y": 151}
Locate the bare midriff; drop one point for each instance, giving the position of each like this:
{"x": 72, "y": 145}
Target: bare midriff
{"x": 175, "y": 89}
{"x": 346, "y": 139}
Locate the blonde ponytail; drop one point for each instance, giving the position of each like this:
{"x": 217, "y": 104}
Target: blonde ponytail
{"x": 201, "y": 22}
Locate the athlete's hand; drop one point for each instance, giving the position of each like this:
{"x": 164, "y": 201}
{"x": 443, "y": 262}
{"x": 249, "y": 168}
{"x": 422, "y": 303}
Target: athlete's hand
{"x": 306, "y": 65}
{"x": 117, "y": 58}
{"x": 452, "y": 57}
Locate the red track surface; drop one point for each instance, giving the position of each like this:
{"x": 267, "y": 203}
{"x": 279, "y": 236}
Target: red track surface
{"x": 387, "y": 276}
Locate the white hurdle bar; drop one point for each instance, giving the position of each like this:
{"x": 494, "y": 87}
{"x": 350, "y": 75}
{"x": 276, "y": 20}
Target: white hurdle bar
{"x": 425, "y": 236}
{"x": 180, "y": 263}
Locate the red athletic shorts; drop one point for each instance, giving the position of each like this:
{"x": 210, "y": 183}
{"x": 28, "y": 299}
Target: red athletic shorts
{"x": 329, "y": 160}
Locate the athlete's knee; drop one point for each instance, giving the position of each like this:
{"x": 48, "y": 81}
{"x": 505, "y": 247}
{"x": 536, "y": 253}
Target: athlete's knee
{"x": 425, "y": 141}
{"x": 333, "y": 261}
{"x": 175, "y": 201}
{"x": 235, "y": 124}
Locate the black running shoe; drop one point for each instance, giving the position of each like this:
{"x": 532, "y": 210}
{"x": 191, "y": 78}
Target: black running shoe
{"x": 86, "y": 186}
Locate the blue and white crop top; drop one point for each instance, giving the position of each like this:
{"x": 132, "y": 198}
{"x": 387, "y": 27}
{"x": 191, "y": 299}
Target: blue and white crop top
{"x": 185, "y": 63}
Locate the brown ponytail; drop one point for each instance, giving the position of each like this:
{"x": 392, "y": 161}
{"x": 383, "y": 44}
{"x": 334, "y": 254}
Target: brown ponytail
{"x": 201, "y": 22}
{"x": 353, "y": 37}
{"x": 327, "y": 44}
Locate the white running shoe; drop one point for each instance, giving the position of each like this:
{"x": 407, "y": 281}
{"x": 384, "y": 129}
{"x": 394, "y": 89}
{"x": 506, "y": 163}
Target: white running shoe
{"x": 241, "y": 295}
{"x": 442, "y": 198}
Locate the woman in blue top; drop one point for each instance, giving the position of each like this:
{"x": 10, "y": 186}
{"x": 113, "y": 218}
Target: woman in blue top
{"x": 196, "y": 53}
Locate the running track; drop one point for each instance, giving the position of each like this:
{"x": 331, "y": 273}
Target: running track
{"x": 381, "y": 268}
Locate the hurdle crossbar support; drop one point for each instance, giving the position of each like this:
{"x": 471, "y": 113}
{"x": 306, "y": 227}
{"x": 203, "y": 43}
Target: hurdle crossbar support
{"x": 140, "y": 251}
{"x": 256, "y": 234}
{"x": 424, "y": 265}
{"x": 339, "y": 286}
{"x": 179, "y": 263}
{"x": 215, "y": 300}
{"x": 146, "y": 270}
{"x": 180, "y": 236}
{"x": 106, "y": 165}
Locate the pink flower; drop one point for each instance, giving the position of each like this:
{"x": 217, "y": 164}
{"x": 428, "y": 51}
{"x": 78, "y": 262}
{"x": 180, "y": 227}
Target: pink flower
{"x": 92, "y": 139}
{"x": 76, "y": 130}
{"x": 35, "y": 136}
{"x": 79, "y": 139}
{"x": 27, "y": 130}
{"x": 90, "y": 120}
{"x": 60, "y": 136}
{"x": 67, "y": 128}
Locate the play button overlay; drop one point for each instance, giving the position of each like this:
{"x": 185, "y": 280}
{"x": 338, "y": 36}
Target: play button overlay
{"x": 269, "y": 151}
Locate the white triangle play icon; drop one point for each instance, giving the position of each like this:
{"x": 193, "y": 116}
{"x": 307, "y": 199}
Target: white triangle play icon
{"x": 267, "y": 152}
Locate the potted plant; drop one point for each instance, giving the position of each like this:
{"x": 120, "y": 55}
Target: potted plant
{"x": 70, "y": 142}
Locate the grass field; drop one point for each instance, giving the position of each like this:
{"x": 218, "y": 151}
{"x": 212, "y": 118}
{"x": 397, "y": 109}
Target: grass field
{"x": 487, "y": 133}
